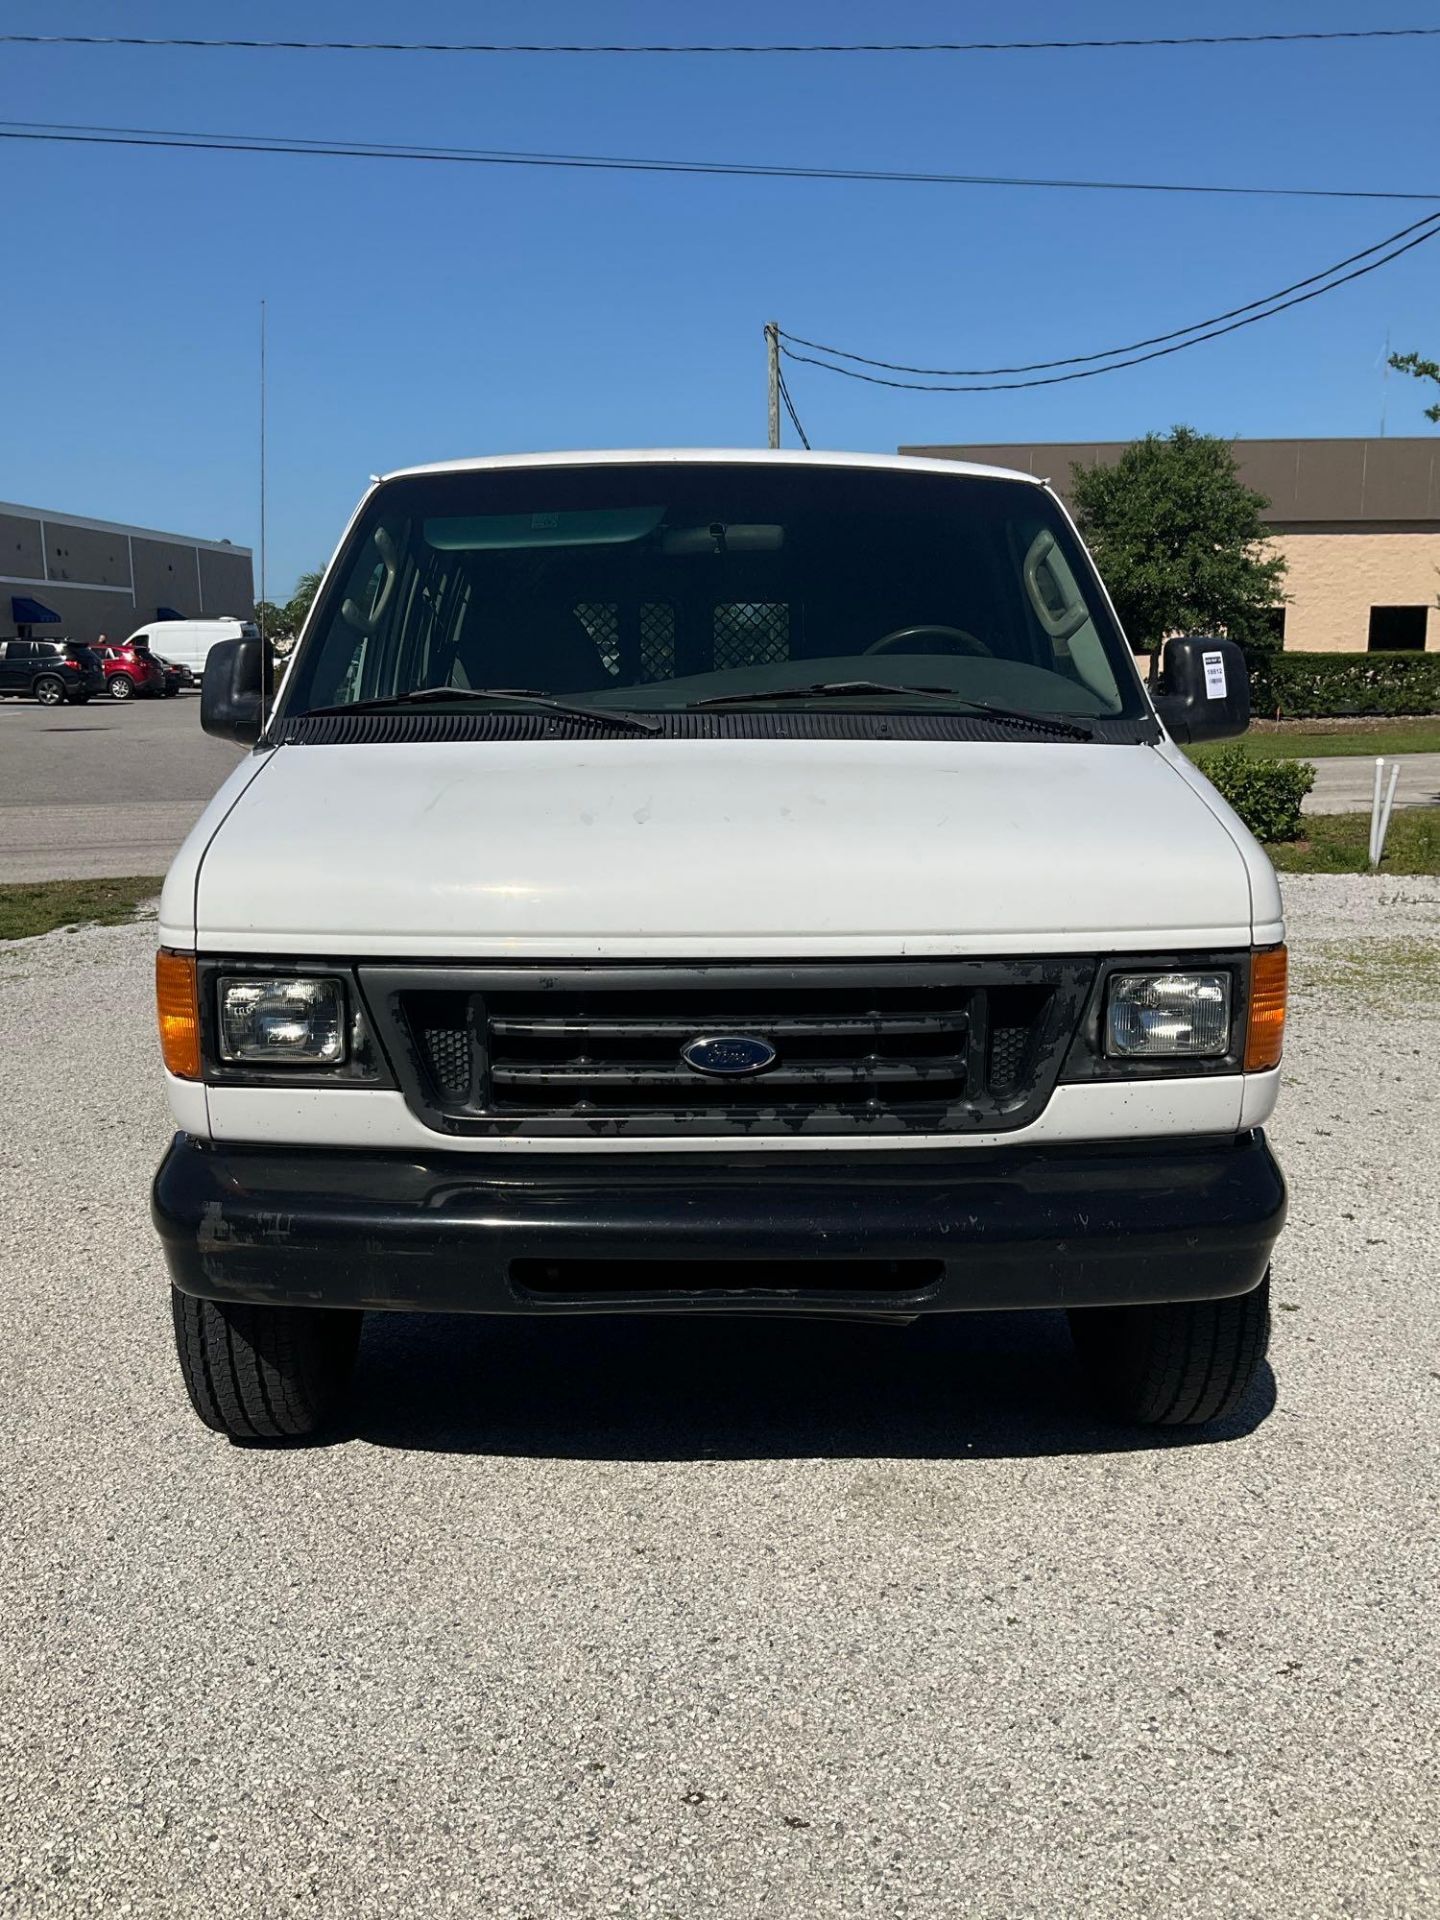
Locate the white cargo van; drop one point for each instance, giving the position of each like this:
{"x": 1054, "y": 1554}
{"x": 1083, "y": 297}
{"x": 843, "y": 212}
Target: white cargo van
{"x": 187, "y": 643}
{"x": 718, "y": 883}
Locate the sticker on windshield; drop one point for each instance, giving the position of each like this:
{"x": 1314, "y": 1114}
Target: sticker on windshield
{"x": 1214, "y": 675}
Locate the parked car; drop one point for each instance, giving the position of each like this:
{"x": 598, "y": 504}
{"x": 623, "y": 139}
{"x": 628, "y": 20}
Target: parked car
{"x": 175, "y": 677}
{"x": 183, "y": 673}
{"x": 188, "y": 642}
{"x": 834, "y": 927}
{"x": 51, "y": 671}
{"x": 131, "y": 670}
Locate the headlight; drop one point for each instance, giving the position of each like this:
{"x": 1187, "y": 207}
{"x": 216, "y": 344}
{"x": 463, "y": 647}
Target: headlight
{"x": 1152, "y": 1015}
{"x": 282, "y": 1020}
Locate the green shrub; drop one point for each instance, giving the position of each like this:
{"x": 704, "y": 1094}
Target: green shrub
{"x": 1308, "y": 686}
{"x": 1265, "y": 793}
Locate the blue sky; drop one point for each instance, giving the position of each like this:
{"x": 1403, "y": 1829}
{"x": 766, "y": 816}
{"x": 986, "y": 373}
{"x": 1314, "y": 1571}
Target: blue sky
{"x": 418, "y": 313}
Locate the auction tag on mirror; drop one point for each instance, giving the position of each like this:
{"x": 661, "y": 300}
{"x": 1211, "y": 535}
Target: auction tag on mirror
{"x": 1214, "y": 675}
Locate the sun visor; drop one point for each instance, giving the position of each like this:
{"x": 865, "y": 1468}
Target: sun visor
{"x": 490, "y": 532}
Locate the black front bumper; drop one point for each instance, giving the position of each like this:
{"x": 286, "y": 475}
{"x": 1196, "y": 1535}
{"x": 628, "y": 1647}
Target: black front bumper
{"x": 891, "y": 1233}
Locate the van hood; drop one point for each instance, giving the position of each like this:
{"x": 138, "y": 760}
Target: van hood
{"x": 664, "y": 848}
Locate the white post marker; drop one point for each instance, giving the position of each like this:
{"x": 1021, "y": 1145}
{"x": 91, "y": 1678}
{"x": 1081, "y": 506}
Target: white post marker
{"x": 1375, "y": 807}
{"x": 1385, "y": 810}
{"x": 1380, "y": 809}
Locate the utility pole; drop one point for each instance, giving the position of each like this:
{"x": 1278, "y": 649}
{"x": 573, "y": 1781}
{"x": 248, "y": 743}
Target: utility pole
{"x": 772, "y": 356}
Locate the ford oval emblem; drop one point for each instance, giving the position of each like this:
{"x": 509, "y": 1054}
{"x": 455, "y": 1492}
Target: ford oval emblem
{"x": 728, "y": 1054}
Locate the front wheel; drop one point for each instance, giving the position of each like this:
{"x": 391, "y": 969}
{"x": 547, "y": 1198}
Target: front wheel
{"x": 1176, "y": 1365}
{"x": 122, "y": 687}
{"x": 265, "y": 1373}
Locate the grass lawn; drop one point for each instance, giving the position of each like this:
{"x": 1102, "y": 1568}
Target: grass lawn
{"x": 1319, "y": 739}
{"x": 42, "y": 905}
{"x": 1339, "y": 843}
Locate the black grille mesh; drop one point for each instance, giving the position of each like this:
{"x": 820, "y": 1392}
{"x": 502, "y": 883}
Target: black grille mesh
{"x": 1008, "y": 1046}
{"x": 447, "y": 1055}
{"x": 852, "y": 1045}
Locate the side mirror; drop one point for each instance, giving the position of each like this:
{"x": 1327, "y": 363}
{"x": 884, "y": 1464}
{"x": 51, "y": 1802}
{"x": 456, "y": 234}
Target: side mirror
{"x": 230, "y": 691}
{"x": 1203, "y": 690}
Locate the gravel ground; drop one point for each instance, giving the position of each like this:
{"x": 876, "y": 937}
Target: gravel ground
{"x": 687, "y": 1620}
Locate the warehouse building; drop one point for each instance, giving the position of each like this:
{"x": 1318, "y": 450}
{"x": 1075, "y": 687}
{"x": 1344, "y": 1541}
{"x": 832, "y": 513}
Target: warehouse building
{"x": 66, "y": 577}
{"x": 1358, "y": 522}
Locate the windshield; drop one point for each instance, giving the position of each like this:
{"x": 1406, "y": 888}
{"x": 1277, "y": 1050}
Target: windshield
{"x": 658, "y": 586}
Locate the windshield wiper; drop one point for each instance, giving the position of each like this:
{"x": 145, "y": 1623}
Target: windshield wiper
{"x": 619, "y": 720}
{"x": 827, "y": 689}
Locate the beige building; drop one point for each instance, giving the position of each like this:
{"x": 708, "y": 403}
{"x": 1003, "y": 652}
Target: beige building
{"x": 65, "y": 577}
{"x": 1358, "y": 522}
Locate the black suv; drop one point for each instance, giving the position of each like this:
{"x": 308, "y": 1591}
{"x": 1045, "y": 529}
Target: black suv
{"x": 50, "y": 671}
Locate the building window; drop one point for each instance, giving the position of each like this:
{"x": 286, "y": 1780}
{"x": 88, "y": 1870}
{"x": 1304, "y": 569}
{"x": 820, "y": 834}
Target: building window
{"x": 1397, "y": 629}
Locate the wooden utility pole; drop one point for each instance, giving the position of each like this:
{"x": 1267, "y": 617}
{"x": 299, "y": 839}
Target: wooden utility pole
{"x": 772, "y": 355}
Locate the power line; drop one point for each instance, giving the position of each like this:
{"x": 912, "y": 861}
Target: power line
{"x": 1090, "y": 373}
{"x": 1110, "y": 353}
{"x": 301, "y": 146}
{"x": 841, "y": 46}
{"x": 794, "y": 416}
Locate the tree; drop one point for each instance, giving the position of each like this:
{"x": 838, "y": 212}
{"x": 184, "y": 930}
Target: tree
{"x": 283, "y": 623}
{"x": 298, "y": 605}
{"x": 1180, "y": 542}
{"x": 1422, "y": 370}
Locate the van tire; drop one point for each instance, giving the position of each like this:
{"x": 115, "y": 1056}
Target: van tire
{"x": 121, "y": 687}
{"x": 264, "y": 1373}
{"x": 1176, "y": 1365}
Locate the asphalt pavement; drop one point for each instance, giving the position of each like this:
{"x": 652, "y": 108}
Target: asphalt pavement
{"x": 113, "y": 789}
{"x": 1345, "y": 783}
{"x": 110, "y": 787}
{"x": 716, "y": 1621}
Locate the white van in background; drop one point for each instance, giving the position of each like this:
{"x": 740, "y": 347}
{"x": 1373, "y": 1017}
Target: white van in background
{"x": 187, "y": 643}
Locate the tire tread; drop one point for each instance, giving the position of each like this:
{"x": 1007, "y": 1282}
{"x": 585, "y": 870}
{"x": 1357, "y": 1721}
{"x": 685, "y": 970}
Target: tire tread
{"x": 1174, "y": 1365}
{"x": 263, "y": 1373}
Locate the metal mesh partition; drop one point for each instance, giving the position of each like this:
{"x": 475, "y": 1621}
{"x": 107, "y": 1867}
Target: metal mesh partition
{"x": 657, "y": 640}
{"x": 601, "y": 620}
{"x": 751, "y": 633}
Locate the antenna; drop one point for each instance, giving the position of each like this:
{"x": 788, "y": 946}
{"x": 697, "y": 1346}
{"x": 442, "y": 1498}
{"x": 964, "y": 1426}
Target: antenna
{"x": 264, "y": 637}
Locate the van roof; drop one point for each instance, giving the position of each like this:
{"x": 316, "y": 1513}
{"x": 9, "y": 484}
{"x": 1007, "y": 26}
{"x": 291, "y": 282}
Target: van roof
{"x": 737, "y": 456}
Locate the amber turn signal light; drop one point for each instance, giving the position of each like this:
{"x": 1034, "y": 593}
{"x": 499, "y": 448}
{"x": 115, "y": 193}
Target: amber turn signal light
{"x": 177, "y": 1005}
{"x": 1265, "y": 1030}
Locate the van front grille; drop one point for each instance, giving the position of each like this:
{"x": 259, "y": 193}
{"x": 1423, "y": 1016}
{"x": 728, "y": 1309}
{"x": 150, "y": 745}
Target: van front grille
{"x": 934, "y": 1046}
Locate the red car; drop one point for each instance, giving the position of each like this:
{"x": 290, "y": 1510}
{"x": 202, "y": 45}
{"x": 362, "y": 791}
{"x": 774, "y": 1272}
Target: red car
{"x": 133, "y": 670}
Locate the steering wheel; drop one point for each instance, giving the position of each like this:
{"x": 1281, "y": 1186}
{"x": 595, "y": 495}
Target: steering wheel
{"x": 899, "y": 641}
